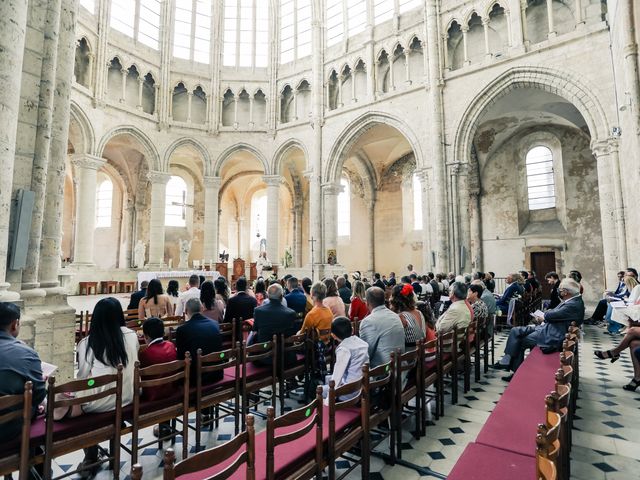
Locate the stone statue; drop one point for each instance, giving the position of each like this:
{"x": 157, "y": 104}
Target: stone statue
{"x": 288, "y": 258}
{"x": 185, "y": 248}
{"x": 139, "y": 253}
{"x": 263, "y": 265}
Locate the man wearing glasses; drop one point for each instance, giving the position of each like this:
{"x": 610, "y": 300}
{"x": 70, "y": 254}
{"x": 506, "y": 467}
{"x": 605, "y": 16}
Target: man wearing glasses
{"x": 547, "y": 331}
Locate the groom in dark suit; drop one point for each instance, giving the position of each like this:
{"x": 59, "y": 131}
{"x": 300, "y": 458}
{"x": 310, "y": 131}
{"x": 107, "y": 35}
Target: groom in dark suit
{"x": 549, "y": 333}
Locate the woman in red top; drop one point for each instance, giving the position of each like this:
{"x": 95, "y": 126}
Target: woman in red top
{"x": 358, "y": 307}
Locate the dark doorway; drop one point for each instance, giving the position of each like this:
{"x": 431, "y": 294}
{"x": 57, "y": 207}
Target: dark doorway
{"x": 543, "y": 263}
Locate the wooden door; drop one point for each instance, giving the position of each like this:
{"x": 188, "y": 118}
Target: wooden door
{"x": 543, "y": 263}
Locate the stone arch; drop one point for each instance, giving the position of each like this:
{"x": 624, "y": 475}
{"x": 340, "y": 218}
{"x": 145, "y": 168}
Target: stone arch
{"x": 86, "y": 129}
{"x": 349, "y": 136}
{"x": 492, "y": 3}
{"x": 276, "y": 162}
{"x": 238, "y": 147}
{"x": 561, "y": 83}
{"x": 151, "y": 154}
{"x": 206, "y": 158}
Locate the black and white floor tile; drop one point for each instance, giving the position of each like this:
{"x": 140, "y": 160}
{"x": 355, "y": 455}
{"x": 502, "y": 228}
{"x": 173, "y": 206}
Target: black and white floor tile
{"x": 606, "y": 437}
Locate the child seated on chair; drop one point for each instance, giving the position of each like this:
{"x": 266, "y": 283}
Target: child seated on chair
{"x": 351, "y": 354}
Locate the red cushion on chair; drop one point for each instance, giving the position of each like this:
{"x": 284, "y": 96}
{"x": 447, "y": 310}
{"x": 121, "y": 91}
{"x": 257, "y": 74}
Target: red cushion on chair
{"x": 70, "y": 427}
{"x": 513, "y": 423}
{"x": 286, "y": 458}
{"x": 479, "y": 462}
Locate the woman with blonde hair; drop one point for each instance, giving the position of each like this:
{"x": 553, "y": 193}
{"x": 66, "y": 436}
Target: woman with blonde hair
{"x": 333, "y": 300}
{"x": 358, "y": 307}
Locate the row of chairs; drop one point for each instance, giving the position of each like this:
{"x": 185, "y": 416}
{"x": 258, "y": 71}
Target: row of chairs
{"x": 500, "y": 446}
{"x": 426, "y": 368}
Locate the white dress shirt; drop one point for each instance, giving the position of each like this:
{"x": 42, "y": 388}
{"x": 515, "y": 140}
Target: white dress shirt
{"x": 352, "y": 353}
{"x": 193, "y": 292}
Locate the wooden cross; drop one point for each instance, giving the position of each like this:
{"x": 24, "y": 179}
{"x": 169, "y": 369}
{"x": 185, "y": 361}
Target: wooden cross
{"x": 183, "y": 204}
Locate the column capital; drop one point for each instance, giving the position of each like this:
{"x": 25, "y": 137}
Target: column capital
{"x": 158, "y": 177}
{"x": 84, "y": 160}
{"x": 455, "y": 169}
{"x": 485, "y": 21}
{"x": 332, "y": 188}
{"x": 464, "y": 29}
{"x": 600, "y": 148}
{"x": 212, "y": 182}
{"x": 423, "y": 175}
{"x": 272, "y": 180}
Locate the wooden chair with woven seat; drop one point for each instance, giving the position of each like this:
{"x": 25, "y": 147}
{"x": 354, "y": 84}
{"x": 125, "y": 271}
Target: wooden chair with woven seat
{"x": 173, "y": 376}
{"x": 217, "y": 463}
{"x": 15, "y": 453}
{"x": 290, "y": 348}
{"x": 346, "y": 425}
{"x": 71, "y": 434}
{"x": 302, "y": 460}
{"x": 378, "y": 386}
{"x": 214, "y": 394}
{"x": 431, "y": 368}
{"x": 407, "y": 366}
{"x": 255, "y": 377}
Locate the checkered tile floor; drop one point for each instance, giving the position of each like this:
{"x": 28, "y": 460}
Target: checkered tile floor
{"x": 606, "y": 440}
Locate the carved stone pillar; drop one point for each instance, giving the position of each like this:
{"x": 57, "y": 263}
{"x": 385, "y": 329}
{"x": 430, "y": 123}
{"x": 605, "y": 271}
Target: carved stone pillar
{"x": 211, "y": 207}
{"x": 158, "y": 182}
{"x": 330, "y": 202}
{"x": 87, "y": 167}
{"x": 273, "y": 213}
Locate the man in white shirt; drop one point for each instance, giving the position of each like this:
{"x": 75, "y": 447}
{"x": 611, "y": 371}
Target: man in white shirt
{"x": 193, "y": 292}
{"x": 458, "y": 314}
{"x": 351, "y": 355}
{"x": 381, "y": 329}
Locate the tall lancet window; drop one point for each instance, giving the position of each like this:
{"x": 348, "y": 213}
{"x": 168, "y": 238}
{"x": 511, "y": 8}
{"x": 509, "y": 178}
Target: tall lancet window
{"x": 541, "y": 190}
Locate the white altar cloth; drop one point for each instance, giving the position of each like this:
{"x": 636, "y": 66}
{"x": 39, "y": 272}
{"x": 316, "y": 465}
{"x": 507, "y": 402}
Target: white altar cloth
{"x": 142, "y": 276}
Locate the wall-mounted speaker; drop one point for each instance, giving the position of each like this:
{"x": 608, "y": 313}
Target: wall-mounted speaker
{"x": 22, "y": 228}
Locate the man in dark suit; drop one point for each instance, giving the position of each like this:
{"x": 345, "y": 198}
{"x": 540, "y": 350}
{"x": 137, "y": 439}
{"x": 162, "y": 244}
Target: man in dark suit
{"x": 198, "y": 332}
{"x": 296, "y": 299}
{"x": 273, "y": 318}
{"x": 137, "y": 296}
{"x": 553, "y": 279}
{"x": 550, "y": 331}
{"x": 377, "y": 282}
{"x": 240, "y": 306}
{"x": 513, "y": 288}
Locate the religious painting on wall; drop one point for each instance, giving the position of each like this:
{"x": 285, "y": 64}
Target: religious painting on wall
{"x": 332, "y": 257}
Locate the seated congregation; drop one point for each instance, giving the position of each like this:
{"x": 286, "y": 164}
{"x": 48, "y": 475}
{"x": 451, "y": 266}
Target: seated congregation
{"x": 369, "y": 360}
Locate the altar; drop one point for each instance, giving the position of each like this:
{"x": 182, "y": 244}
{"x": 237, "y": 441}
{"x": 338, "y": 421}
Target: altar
{"x": 172, "y": 274}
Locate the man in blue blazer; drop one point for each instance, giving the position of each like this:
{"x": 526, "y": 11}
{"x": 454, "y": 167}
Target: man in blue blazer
{"x": 550, "y": 330}
{"x": 513, "y": 288}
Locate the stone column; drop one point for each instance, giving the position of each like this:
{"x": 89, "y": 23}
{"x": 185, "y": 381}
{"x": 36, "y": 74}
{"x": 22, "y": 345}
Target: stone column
{"x": 158, "y": 182}
{"x": 13, "y": 20}
{"x": 475, "y": 225}
{"x": 454, "y": 210}
{"x": 211, "y": 207}
{"x": 463, "y": 219}
{"x": 621, "y": 228}
{"x": 445, "y": 52}
{"x": 297, "y": 232}
{"x": 371, "y": 260}
{"x": 52, "y": 225}
{"x": 371, "y": 69}
{"x": 273, "y": 213}
{"x": 607, "y": 210}
{"x": 552, "y": 28}
{"x": 423, "y": 176}
{"x": 86, "y": 169}
{"x": 123, "y": 93}
{"x": 436, "y": 134}
{"x": 241, "y": 237}
{"x": 189, "y": 102}
{"x": 47, "y": 82}
{"x": 407, "y": 70}
{"x": 340, "y": 102}
{"x": 140, "y": 87}
{"x": 465, "y": 49}
{"x": 485, "y": 29}
{"x": 392, "y": 80}
{"x": 578, "y": 13}
{"x": 330, "y": 193}
{"x": 251, "y": 122}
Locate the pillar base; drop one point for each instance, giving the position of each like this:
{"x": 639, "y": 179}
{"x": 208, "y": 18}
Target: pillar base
{"x": 7, "y": 295}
